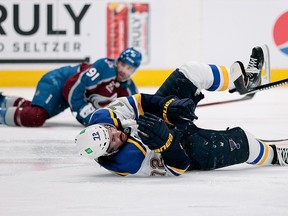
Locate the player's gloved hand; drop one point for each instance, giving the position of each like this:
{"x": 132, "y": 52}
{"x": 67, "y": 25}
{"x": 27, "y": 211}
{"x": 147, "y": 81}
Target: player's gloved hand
{"x": 178, "y": 111}
{"x": 83, "y": 115}
{"x": 155, "y": 133}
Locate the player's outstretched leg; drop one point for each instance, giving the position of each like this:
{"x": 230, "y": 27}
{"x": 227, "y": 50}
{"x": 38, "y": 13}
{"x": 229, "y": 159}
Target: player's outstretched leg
{"x": 245, "y": 79}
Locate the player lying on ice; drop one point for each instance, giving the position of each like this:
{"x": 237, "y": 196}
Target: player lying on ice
{"x": 83, "y": 88}
{"x": 148, "y": 135}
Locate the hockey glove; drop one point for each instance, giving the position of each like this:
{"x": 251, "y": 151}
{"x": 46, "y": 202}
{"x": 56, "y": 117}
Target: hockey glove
{"x": 178, "y": 111}
{"x": 154, "y": 132}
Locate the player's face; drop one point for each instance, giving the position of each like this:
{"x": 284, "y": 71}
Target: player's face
{"x": 117, "y": 139}
{"x": 124, "y": 71}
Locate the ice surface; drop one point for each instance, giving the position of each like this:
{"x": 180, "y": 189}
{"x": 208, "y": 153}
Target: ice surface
{"x": 41, "y": 174}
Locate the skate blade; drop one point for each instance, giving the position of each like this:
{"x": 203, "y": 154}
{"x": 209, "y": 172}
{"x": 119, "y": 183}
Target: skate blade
{"x": 265, "y": 75}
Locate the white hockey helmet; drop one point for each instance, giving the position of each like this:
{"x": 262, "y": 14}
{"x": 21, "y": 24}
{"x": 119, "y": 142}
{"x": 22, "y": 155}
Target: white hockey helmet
{"x": 93, "y": 141}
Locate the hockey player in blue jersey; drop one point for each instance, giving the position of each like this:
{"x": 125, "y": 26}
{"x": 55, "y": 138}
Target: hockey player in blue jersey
{"x": 84, "y": 88}
{"x": 147, "y": 135}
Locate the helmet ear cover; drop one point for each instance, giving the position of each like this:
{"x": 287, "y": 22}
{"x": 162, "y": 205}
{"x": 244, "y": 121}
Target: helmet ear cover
{"x": 93, "y": 141}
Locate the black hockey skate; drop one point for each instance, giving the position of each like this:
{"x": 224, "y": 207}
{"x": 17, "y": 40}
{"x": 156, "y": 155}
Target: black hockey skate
{"x": 280, "y": 155}
{"x": 252, "y": 75}
{"x": 252, "y": 79}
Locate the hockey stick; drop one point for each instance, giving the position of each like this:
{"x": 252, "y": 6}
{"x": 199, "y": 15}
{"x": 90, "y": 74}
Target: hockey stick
{"x": 265, "y": 87}
{"x": 244, "y": 91}
{"x": 277, "y": 140}
{"x": 246, "y": 97}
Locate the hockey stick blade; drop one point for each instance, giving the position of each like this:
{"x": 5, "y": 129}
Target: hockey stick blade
{"x": 246, "y": 97}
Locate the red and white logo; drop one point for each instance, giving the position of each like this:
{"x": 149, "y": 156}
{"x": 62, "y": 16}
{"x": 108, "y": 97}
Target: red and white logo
{"x": 280, "y": 33}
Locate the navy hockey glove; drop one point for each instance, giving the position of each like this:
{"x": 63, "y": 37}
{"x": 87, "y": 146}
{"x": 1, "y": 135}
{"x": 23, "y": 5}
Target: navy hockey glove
{"x": 154, "y": 132}
{"x": 178, "y": 111}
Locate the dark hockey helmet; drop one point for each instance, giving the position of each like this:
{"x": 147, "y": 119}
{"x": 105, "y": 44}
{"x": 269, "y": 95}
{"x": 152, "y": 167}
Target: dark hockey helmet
{"x": 131, "y": 57}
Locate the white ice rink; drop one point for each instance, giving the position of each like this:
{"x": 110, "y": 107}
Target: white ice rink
{"x": 41, "y": 174}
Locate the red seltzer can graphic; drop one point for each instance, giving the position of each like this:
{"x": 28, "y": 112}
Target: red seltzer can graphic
{"x": 117, "y": 28}
{"x": 139, "y": 29}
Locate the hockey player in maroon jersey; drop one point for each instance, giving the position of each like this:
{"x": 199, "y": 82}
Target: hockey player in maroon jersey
{"x": 84, "y": 88}
{"x": 147, "y": 135}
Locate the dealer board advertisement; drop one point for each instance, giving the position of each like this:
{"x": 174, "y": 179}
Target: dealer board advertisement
{"x": 68, "y": 32}
{"x": 43, "y": 35}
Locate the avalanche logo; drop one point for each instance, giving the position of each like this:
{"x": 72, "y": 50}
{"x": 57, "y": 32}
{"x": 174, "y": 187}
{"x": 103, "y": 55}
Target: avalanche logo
{"x": 280, "y": 33}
